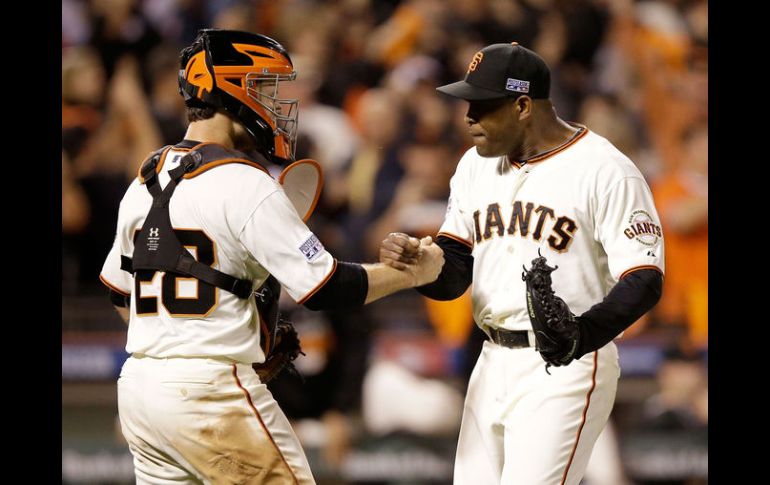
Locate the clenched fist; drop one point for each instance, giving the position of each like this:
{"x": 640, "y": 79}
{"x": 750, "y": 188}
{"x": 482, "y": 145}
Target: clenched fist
{"x": 399, "y": 250}
{"x": 420, "y": 257}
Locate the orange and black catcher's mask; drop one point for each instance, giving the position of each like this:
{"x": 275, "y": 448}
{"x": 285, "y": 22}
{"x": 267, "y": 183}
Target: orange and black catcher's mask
{"x": 240, "y": 72}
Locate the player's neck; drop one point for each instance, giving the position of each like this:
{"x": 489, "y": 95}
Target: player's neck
{"x": 547, "y": 133}
{"x": 213, "y": 130}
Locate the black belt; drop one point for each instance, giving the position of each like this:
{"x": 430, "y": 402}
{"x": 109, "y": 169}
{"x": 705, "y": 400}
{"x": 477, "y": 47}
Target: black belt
{"x": 513, "y": 339}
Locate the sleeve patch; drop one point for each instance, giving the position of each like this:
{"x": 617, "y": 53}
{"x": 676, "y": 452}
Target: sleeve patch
{"x": 642, "y": 228}
{"x": 311, "y": 248}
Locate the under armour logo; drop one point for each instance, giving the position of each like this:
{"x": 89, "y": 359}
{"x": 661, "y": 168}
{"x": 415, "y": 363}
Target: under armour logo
{"x": 650, "y": 253}
{"x": 153, "y": 240}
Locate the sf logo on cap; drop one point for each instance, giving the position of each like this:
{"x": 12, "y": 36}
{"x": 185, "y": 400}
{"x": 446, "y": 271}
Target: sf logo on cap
{"x": 475, "y": 62}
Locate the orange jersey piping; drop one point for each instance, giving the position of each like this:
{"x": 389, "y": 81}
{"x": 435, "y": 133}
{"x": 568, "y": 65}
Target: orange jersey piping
{"x": 549, "y": 154}
{"x": 637, "y": 268}
{"x": 262, "y": 423}
{"x": 456, "y": 238}
{"x": 112, "y": 287}
{"x": 583, "y": 420}
{"x": 319, "y": 285}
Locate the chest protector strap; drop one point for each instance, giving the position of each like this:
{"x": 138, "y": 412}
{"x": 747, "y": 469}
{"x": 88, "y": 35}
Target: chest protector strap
{"x": 157, "y": 246}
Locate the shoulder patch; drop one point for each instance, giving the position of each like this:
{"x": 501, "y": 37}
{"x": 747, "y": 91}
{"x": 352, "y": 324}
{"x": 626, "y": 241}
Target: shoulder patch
{"x": 311, "y": 248}
{"x": 641, "y": 227}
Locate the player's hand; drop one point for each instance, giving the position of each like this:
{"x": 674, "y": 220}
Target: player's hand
{"x": 429, "y": 262}
{"x": 399, "y": 250}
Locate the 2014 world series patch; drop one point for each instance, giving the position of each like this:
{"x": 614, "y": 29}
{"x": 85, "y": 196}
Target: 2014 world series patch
{"x": 311, "y": 248}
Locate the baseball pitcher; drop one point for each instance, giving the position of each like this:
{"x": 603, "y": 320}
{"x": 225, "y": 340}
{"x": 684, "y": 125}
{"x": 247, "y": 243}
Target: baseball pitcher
{"x": 559, "y": 234}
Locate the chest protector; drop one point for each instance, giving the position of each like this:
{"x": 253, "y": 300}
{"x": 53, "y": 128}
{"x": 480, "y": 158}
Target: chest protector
{"x": 158, "y": 248}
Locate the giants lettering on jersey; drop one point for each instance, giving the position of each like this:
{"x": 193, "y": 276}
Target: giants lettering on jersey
{"x": 526, "y": 220}
{"x": 642, "y": 228}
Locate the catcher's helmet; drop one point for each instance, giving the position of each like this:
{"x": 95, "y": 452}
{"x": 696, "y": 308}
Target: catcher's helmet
{"x": 240, "y": 73}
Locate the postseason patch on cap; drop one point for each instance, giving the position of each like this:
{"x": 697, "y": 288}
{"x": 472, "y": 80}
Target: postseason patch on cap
{"x": 311, "y": 248}
{"x": 517, "y": 85}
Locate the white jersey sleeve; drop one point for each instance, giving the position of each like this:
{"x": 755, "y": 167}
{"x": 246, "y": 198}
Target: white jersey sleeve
{"x": 111, "y": 274}
{"x": 628, "y": 227}
{"x": 114, "y": 277}
{"x": 282, "y": 243}
{"x": 457, "y": 223}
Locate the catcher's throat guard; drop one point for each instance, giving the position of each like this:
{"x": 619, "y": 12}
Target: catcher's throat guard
{"x": 302, "y": 182}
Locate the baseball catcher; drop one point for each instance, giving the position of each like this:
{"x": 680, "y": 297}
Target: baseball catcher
{"x": 556, "y": 330}
{"x": 187, "y": 289}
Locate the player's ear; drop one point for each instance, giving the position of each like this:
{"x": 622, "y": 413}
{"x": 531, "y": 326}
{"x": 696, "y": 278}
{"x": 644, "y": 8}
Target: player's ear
{"x": 523, "y": 106}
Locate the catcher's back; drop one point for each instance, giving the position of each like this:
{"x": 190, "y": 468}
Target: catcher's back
{"x": 234, "y": 218}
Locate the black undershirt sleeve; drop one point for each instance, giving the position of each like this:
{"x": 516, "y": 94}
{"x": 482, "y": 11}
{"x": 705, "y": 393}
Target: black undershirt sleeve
{"x": 346, "y": 288}
{"x": 349, "y": 284}
{"x": 629, "y": 299}
{"x": 119, "y": 299}
{"x": 456, "y": 275}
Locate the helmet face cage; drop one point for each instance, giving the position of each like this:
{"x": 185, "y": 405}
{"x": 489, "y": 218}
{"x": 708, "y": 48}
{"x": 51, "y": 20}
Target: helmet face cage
{"x": 240, "y": 72}
{"x": 283, "y": 113}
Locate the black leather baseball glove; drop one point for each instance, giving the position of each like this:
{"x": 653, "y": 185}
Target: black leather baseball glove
{"x": 284, "y": 351}
{"x": 557, "y": 332}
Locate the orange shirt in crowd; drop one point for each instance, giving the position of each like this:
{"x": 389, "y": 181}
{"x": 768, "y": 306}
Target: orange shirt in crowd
{"x": 685, "y": 290}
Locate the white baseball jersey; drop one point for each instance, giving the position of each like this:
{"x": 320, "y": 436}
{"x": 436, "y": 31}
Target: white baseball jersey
{"x": 585, "y": 206}
{"x": 237, "y": 219}
{"x": 588, "y": 210}
{"x": 191, "y": 407}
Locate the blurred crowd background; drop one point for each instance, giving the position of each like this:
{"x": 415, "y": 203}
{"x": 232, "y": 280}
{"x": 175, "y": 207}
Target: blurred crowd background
{"x": 384, "y": 384}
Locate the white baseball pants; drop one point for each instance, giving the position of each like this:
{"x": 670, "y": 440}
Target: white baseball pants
{"x": 522, "y": 426}
{"x": 206, "y": 421}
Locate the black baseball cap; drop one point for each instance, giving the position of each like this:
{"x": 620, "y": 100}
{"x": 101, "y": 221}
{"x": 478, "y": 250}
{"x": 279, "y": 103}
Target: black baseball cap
{"x": 502, "y": 70}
